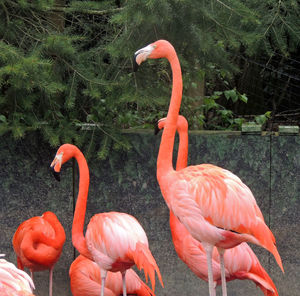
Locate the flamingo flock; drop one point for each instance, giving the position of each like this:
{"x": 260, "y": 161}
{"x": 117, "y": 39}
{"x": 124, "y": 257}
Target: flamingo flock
{"x": 213, "y": 215}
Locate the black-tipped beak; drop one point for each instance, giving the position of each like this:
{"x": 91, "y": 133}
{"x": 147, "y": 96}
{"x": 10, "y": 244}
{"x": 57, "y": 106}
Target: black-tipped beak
{"x": 55, "y": 174}
{"x": 135, "y": 64}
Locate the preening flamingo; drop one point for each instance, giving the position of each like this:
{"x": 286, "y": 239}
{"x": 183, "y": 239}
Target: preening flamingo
{"x": 85, "y": 280}
{"x": 38, "y": 244}
{"x": 240, "y": 261}
{"x": 13, "y": 281}
{"x": 214, "y": 205}
{"x": 115, "y": 241}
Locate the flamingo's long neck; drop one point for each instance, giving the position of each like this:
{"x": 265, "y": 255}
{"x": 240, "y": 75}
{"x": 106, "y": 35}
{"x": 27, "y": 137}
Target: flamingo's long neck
{"x": 164, "y": 160}
{"x": 78, "y": 238}
{"x": 182, "y": 155}
{"x": 59, "y": 238}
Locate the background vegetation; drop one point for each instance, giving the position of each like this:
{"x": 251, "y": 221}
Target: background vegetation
{"x": 65, "y": 65}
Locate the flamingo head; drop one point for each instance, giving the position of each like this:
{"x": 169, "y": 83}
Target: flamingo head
{"x": 182, "y": 124}
{"x": 63, "y": 154}
{"x": 160, "y": 125}
{"x": 155, "y": 50}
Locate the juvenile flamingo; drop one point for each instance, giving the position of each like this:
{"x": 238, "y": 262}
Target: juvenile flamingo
{"x": 214, "y": 205}
{"x": 240, "y": 261}
{"x": 38, "y": 244}
{"x": 115, "y": 241}
{"x": 85, "y": 280}
{"x": 13, "y": 281}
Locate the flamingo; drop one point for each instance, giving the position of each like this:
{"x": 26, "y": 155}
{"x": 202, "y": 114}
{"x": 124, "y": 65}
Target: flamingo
{"x": 38, "y": 243}
{"x": 86, "y": 281}
{"x": 115, "y": 241}
{"x": 214, "y": 205}
{"x": 240, "y": 261}
{"x": 13, "y": 281}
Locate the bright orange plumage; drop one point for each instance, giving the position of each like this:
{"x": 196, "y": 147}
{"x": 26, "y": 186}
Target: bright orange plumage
{"x": 85, "y": 280}
{"x": 38, "y": 243}
{"x": 115, "y": 241}
{"x": 212, "y": 203}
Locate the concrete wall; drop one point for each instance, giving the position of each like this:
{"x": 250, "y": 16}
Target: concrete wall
{"x": 126, "y": 182}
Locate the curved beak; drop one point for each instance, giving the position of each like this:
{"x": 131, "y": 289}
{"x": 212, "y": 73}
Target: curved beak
{"x": 56, "y": 165}
{"x": 141, "y": 55}
{"x": 55, "y": 174}
{"x": 156, "y": 129}
{"x": 160, "y": 125}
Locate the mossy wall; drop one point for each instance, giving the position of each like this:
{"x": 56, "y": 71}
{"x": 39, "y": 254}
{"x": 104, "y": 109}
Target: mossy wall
{"x": 269, "y": 165}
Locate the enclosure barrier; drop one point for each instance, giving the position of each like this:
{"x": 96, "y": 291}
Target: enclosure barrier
{"x": 269, "y": 164}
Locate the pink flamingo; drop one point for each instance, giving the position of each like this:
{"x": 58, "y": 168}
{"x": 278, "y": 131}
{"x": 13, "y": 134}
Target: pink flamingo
{"x": 214, "y": 205}
{"x": 240, "y": 261}
{"x": 38, "y": 243}
{"x": 115, "y": 241}
{"x": 85, "y": 280}
{"x": 13, "y": 281}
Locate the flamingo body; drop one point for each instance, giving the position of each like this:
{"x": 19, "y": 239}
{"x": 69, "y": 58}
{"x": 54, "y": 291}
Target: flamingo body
{"x": 214, "y": 205}
{"x": 240, "y": 261}
{"x": 85, "y": 280}
{"x": 115, "y": 241}
{"x": 104, "y": 230}
{"x": 38, "y": 243}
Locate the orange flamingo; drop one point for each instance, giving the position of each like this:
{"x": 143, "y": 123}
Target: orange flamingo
{"x": 38, "y": 244}
{"x": 214, "y": 205}
{"x": 240, "y": 261}
{"x": 85, "y": 280}
{"x": 115, "y": 241}
{"x": 13, "y": 281}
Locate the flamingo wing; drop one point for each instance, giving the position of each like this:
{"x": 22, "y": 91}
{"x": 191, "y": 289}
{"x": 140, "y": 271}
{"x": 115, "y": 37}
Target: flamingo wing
{"x": 117, "y": 242}
{"x": 216, "y": 196}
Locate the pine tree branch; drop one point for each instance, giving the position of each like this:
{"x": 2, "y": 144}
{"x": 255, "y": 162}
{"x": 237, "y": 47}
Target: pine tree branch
{"x": 228, "y": 7}
{"x": 274, "y": 18}
{"x": 6, "y": 13}
{"x": 82, "y": 76}
{"x": 84, "y": 11}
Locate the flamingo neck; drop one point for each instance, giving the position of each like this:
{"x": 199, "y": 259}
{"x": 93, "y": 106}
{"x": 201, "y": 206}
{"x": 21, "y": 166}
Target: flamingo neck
{"x": 78, "y": 238}
{"x": 182, "y": 155}
{"x": 165, "y": 154}
{"x": 59, "y": 239}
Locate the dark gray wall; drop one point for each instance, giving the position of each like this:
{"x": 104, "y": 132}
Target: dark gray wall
{"x": 126, "y": 182}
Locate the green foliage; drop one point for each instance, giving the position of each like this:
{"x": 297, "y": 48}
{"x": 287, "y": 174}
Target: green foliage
{"x": 263, "y": 118}
{"x": 216, "y": 116}
{"x": 62, "y": 67}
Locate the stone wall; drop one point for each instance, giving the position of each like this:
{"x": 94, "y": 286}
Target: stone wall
{"x": 126, "y": 182}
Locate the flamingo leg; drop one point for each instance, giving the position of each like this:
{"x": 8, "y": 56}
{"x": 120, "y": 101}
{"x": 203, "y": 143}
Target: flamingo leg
{"x": 208, "y": 250}
{"x": 50, "y": 280}
{"x": 222, "y": 266}
{"x": 124, "y": 283}
{"x": 103, "y": 278}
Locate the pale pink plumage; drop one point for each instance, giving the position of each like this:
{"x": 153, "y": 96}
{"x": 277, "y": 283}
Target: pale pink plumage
{"x": 85, "y": 280}
{"x": 13, "y": 281}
